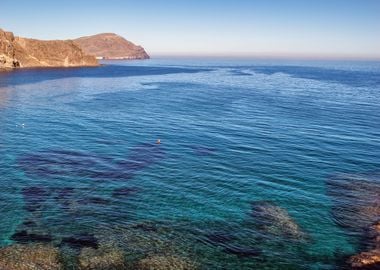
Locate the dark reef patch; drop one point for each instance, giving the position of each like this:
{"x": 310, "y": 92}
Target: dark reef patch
{"x": 23, "y": 237}
{"x": 94, "y": 200}
{"x": 142, "y": 156}
{"x": 242, "y": 251}
{"x": 64, "y": 196}
{"x": 29, "y": 223}
{"x": 56, "y": 162}
{"x": 203, "y": 150}
{"x": 34, "y": 197}
{"x": 356, "y": 199}
{"x": 80, "y": 241}
{"x": 124, "y": 192}
{"x": 219, "y": 238}
{"x": 146, "y": 227}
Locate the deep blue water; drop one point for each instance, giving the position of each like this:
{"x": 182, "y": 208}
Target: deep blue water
{"x": 240, "y": 140}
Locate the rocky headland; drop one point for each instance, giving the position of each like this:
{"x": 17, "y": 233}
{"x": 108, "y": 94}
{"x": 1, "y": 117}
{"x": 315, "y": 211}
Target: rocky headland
{"x": 19, "y": 52}
{"x": 110, "y": 46}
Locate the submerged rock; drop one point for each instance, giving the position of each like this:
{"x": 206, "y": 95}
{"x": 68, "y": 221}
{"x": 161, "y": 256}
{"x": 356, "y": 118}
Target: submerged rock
{"x": 142, "y": 156}
{"x": 34, "y": 197}
{"x": 369, "y": 259}
{"x": 273, "y": 219}
{"x": 203, "y": 150}
{"x": 242, "y": 251}
{"x": 146, "y": 239}
{"x": 219, "y": 238}
{"x": 29, "y": 257}
{"x": 356, "y": 199}
{"x": 57, "y": 162}
{"x": 158, "y": 262}
{"x": 366, "y": 260}
{"x": 24, "y": 237}
{"x": 94, "y": 200}
{"x": 64, "y": 196}
{"x": 81, "y": 241}
{"x": 101, "y": 259}
{"x": 124, "y": 192}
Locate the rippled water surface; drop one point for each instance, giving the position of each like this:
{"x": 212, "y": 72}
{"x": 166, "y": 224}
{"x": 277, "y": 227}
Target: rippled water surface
{"x": 264, "y": 165}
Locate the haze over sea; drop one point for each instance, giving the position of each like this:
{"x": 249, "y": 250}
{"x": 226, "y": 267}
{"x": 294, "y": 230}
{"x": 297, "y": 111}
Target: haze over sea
{"x": 78, "y": 156}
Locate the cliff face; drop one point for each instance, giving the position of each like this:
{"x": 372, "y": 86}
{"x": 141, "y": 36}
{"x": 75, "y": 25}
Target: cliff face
{"x": 21, "y": 52}
{"x": 111, "y": 46}
{"x": 7, "y": 50}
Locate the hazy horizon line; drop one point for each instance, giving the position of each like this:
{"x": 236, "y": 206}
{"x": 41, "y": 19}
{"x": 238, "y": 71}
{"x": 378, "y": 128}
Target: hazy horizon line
{"x": 267, "y": 56}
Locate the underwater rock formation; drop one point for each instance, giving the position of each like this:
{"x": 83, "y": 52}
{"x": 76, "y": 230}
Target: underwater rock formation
{"x": 273, "y": 219}
{"x": 356, "y": 208}
{"x": 29, "y": 257}
{"x": 57, "y": 162}
{"x": 79, "y": 241}
{"x": 369, "y": 259}
{"x": 34, "y": 197}
{"x": 94, "y": 200}
{"x": 146, "y": 239}
{"x": 142, "y": 156}
{"x": 242, "y": 251}
{"x": 229, "y": 244}
{"x": 356, "y": 200}
{"x": 124, "y": 192}
{"x": 101, "y": 259}
{"x": 24, "y": 237}
{"x": 203, "y": 150}
{"x": 64, "y": 196}
{"x": 366, "y": 260}
{"x": 158, "y": 262}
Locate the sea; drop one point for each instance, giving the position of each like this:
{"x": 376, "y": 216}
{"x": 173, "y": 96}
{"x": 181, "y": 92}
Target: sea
{"x": 215, "y": 163}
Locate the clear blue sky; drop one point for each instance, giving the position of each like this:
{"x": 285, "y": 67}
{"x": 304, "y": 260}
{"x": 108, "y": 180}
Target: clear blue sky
{"x": 328, "y": 28}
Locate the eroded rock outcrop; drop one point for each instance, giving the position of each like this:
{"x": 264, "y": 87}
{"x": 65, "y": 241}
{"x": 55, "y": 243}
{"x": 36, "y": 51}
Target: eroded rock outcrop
{"x": 18, "y": 52}
{"x": 111, "y": 46}
{"x": 7, "y": 50}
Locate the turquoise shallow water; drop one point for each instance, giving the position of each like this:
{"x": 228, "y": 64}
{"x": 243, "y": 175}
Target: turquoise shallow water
{"x": 78, "y": 156}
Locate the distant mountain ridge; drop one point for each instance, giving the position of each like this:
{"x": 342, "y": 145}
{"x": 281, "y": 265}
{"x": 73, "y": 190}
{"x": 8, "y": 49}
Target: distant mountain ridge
{"x": 110, "y": 46}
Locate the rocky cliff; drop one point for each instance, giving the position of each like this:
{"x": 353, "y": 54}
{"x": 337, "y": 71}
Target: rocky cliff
{"x": 18, "y": 52}
{"x": 111, "y": 46}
